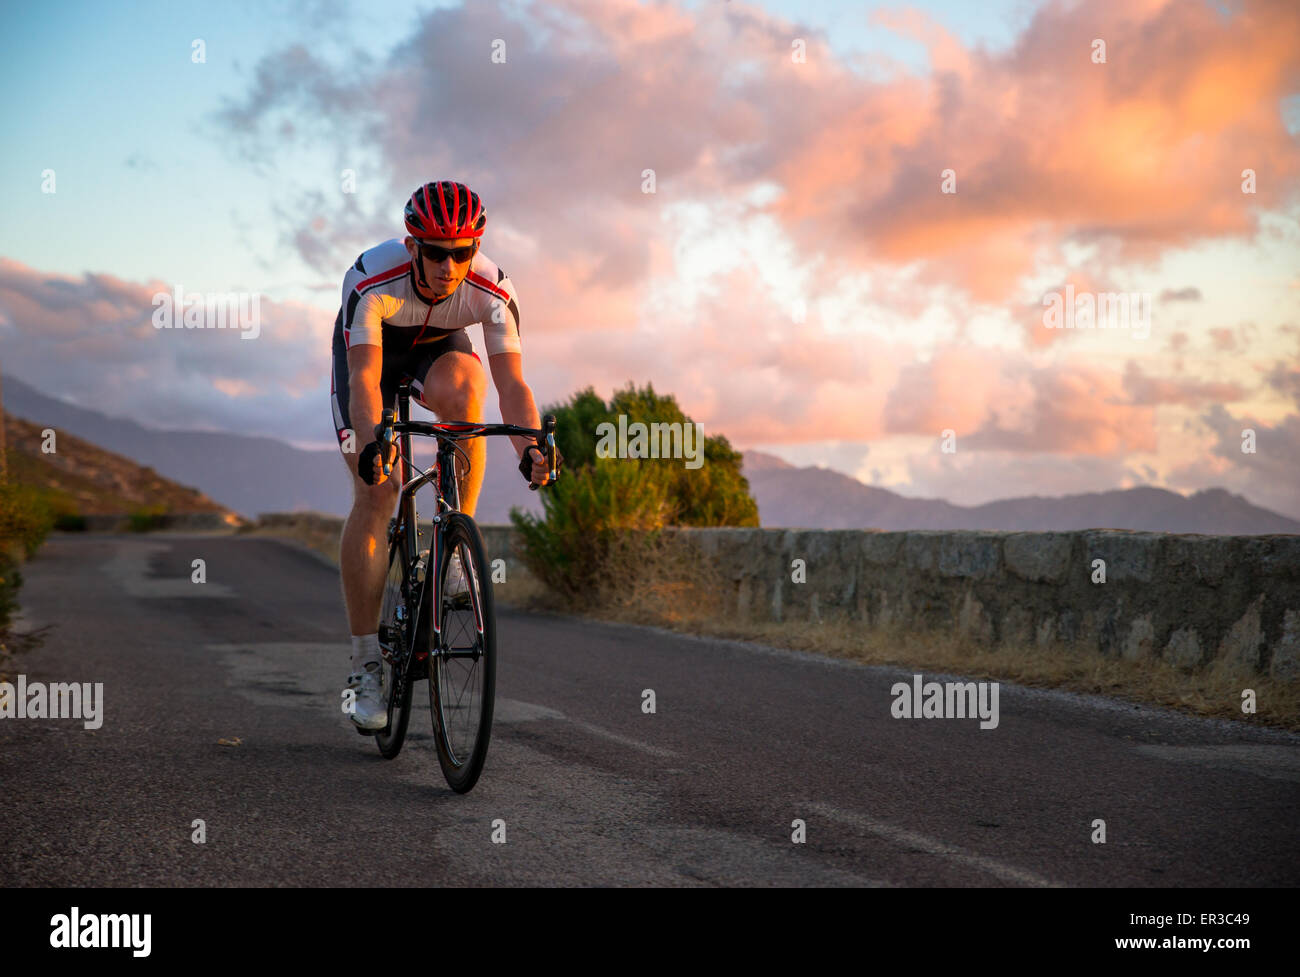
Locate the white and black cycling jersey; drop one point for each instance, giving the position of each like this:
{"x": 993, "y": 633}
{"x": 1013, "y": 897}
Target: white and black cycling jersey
{"x": 379, "y": 297}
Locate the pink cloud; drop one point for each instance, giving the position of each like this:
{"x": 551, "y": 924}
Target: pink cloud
{"x": 1224, "y": 340}
{"x": 1148, "y": 390}
{"x": 1146, "y": 149}
{"x": 996, "y": 403}
{"x": 92, "y": 337}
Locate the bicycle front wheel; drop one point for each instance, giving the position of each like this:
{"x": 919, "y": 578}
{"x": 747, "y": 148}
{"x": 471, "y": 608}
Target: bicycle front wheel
{"x": 462, "y": 652}
{"x": 396, "y": 631}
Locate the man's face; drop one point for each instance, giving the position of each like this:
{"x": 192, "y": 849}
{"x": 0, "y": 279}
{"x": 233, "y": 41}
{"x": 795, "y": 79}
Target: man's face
{"x": 446, "y": 274}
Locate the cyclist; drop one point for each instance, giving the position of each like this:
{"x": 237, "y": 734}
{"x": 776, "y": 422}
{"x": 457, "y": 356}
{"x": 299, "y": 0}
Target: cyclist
{"x": 406, "y": 305}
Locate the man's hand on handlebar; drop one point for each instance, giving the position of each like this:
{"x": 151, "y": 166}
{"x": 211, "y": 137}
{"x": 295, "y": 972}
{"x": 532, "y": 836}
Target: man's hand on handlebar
{"x": 532, "y": 465}
{"x": 370, "y": 464}
{"x": 377, "y": 458}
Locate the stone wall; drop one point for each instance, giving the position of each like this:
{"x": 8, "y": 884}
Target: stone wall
{"x": 1192, "y": 600}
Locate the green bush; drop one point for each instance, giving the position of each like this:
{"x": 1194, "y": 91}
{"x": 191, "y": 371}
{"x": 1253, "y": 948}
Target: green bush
{"x": 64, "y": 510}
{"x": 10, "y": 581}
{"x": 147, "y": 518}
{"x": 595, "y": 519}
{"x": 601, "y": 519}
{"x": 26, "y": 516}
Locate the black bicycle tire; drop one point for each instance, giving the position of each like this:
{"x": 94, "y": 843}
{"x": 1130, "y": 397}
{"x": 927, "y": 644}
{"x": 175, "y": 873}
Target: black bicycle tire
{"x": 462, "y": 778}
{"x": 390, "y": 740}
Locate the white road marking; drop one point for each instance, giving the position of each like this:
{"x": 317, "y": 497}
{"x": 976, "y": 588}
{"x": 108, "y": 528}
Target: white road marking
{"x": 933, "y": 846}
{"x": 515, "y": 711}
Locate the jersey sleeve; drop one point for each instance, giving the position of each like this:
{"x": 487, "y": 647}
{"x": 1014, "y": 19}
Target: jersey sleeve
{"x": 501, "y": 325}
{"x": 363, "y": 317}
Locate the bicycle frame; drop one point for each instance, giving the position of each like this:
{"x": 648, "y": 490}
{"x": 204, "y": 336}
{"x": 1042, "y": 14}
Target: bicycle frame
{"x": 443, "y": 475}
{"x": 411, "y": 631}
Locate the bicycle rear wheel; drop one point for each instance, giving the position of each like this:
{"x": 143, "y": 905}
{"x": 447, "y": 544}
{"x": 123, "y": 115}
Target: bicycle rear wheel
{"x": 396, "y": 631}
{"x": 462, "y": 654}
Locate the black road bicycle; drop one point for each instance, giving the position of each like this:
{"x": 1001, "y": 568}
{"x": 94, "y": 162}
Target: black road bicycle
{"x": 437, "y": 619}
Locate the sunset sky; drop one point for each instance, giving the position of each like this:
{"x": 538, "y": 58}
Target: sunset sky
{"x": 798, "y": 279}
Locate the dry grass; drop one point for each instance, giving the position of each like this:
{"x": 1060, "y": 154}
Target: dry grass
{"x": 522, "y": 589}
{"x": 1213, "y": 692}
{"x": 681, "y": 594}
{"x": 323, "y": 540}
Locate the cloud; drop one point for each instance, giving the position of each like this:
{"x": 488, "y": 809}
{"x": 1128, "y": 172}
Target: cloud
{"x": 1148, "y": 390}
{"x": 737, "y": 362}
{"x": 1269, "y": 476}
{"x": 1047, "y": 146}
{"x": 92, "y": 339}
{"x": 996, "y": 402}
{"x": 1285, "y": 379}
{"x": 1225, "y": 340}
{"x": 1053, "y": 155}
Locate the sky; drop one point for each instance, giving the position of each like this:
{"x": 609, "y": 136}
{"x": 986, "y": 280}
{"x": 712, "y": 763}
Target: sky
{"x": 857, "y": 216}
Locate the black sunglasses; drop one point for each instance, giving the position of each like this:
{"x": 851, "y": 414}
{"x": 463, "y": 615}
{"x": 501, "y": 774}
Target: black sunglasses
{"x": 438, "y": 255}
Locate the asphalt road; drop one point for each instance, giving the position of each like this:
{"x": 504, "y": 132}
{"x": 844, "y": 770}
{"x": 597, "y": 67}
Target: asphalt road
{"x": 591, "y": 789}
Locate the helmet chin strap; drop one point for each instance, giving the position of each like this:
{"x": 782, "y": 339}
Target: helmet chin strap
{"x": 419, "y": 264}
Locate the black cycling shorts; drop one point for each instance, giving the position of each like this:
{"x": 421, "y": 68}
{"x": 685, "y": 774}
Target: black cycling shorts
{"x": 403, "y": 361}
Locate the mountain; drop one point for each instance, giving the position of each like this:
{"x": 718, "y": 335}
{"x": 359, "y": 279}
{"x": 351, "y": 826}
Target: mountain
{"x": 92, "y": 481}
{"x": 250, "y": 475}
{"x": 759, "y": 461}
{"x": 817, "y": 498}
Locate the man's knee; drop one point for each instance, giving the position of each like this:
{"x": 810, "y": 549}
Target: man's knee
{"x": 458, "y": 388}
{"x": 375, "y": 502}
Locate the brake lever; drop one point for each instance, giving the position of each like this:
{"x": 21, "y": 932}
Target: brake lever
{"x": 385, "y": 435}
{"x": 548, "y": 429}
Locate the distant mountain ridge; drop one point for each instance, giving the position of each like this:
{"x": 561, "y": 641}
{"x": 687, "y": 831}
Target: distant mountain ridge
{"x": 817, "y": 498}
{"x": 252, "y": 475}
{"x": 248, "y": 474}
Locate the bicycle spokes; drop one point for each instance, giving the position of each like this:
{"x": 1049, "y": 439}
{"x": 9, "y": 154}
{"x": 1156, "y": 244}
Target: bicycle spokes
{"x": 460, "y": 655}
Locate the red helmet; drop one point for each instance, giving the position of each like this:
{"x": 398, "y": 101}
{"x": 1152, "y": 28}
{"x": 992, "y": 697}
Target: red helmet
{"x": 445, "y": 210}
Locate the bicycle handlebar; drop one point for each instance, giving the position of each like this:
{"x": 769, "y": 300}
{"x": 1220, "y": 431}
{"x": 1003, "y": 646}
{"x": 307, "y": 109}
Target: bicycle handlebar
{"x": 386, "y": 432}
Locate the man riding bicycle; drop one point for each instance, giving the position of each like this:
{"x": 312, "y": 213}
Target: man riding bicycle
{"x": 406, "y": 304}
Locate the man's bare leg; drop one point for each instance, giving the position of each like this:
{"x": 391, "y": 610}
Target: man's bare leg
{"x": 363, "y": 549}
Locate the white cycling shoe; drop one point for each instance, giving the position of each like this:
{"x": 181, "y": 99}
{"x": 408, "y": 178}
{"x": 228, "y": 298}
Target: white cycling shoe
{"x": 370, "y": 711}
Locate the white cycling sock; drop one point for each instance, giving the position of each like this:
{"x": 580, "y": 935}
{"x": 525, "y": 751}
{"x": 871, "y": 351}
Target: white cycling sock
{"x": 365, "y": 649}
